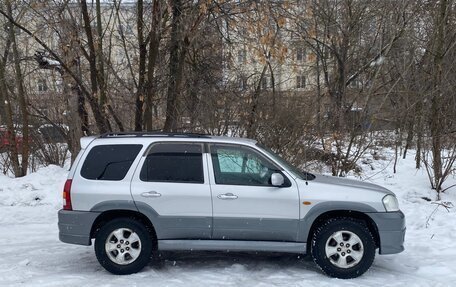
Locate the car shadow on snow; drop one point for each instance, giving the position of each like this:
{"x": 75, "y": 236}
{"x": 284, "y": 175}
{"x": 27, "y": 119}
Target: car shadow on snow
{"x": 250, "y": 261}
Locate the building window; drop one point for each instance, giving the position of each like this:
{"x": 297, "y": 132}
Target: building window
{"x": 156, "y": 111}
{"x": 242, "y": 56}
{"x": 358, "y": 84}
{"x": 300, "y": 53}
{"x": 59, "y": 85}
{"x": 10, "y": 57}
{"x": 300, "y": 82}
{"x": 42, "y": 86}
{"x": 242, "y": 83}
{"x": 264, "y": 83}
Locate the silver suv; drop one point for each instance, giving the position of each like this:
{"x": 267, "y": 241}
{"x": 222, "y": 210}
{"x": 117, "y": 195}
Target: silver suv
{"x": 136, "y": 193}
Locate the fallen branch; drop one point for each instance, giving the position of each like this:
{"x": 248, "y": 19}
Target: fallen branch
{"x": 446, "y": 204}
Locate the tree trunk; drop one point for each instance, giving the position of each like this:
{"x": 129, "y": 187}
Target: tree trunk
{"x": 9, "y": 120}
{"x": 172, "y": 100}
{"x": 78, "y": 120}
{"x": 154, "y": 43}
{"x": 408, "y": 141}
{"x": 24, "y": 117}
{"x": 252, "y": 117}
{"x": 435, "y": 117}
{"x": 100, "y": 61}
{"x": 140, "y": 93}
{"x": 100, "y": 117}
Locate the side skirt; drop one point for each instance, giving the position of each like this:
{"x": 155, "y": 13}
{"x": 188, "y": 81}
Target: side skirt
{"x": 233, "y": 245}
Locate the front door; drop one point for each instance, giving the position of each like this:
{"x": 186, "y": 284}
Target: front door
{"x": 245, "y": 204}
{"x": 171, "y": 187}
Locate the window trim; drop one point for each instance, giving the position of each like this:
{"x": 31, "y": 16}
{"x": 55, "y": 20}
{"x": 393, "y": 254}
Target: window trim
{"x": 147, "y": 151}
{"x": 280, "y": 169}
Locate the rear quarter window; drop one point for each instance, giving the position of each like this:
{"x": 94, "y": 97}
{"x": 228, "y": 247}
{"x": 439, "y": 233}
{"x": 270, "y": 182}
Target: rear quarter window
{"x": 109, "y": 162}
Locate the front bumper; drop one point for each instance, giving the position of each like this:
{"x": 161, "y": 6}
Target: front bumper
{"x": 75, "y": 226}
{"x": 391, "y": 231}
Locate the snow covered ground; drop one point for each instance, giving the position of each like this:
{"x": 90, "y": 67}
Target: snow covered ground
{"x": 32, "y": 255}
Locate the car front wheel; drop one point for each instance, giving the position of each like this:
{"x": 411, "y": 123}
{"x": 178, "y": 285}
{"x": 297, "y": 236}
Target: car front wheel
{"x": 343, "y": 247}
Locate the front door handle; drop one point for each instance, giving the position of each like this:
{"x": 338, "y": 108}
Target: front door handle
{"x": 227, "y": 196}
{"x": 151, "y": 194}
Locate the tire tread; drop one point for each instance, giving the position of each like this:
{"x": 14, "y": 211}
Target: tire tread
{"x": 146, "y": 248}
{"x": 318, "y": 244}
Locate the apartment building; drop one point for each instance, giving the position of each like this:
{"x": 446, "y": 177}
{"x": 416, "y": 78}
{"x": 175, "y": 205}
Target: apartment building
{"x": 268, "y": 57}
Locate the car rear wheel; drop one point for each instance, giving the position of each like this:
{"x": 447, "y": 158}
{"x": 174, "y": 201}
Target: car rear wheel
{"x": 343, "y": 247}
{"x": 123, "y": 246}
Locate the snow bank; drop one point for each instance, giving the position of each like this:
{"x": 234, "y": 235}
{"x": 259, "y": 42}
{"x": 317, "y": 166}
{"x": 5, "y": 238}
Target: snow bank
{"x": 43, "y": 187}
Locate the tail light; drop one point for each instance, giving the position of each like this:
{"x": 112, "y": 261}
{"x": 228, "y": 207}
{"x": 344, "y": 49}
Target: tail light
{"x": 67, "y": 195}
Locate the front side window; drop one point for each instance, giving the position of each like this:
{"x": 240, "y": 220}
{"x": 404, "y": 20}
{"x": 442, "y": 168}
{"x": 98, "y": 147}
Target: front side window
{"x": 238, "y": 165}
{"x": 174, "y": 162}
{"x": 109, "y": 162}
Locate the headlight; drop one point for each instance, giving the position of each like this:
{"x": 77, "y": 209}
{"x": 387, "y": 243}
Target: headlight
{"x": 390, "y": 203}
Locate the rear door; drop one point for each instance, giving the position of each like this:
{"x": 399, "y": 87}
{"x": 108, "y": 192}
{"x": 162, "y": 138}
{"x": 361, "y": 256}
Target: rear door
{"x": 246, "y": 205}
{"x": 171, "y": 186}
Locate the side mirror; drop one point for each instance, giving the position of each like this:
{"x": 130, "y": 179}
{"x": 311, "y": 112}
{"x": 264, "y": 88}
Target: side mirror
{"x": 277, "y": 179}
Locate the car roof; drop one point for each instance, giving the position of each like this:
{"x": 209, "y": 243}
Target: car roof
{"x": 149, "y": 137}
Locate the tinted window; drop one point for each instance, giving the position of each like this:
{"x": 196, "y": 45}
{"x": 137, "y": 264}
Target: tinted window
{"x": 174, "y": 162}
{"x": 109, "y": 162}
{"x": 238, "y": 165}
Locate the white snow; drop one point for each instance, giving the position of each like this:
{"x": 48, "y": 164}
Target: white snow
{"x": 378, "y": 61}
{"x": 51, "y": 62}
{"x": 32, "y": 255}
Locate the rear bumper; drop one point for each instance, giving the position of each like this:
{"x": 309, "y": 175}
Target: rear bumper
{"x": 75, "y": 226}
{"x": 391, "y": 230}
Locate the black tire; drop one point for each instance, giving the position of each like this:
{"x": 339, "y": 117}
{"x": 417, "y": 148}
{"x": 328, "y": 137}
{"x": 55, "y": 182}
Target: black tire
{"x": 146, "y": 243}
{"x": 321, "y": 237}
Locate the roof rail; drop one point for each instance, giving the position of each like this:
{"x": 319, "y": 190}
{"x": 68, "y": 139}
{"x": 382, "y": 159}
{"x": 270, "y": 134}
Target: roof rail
{"x": 153, "y": 134}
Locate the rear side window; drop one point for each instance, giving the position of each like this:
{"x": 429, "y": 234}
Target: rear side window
{"x": 174, "y": 162}
{"x": 109, "y": 162}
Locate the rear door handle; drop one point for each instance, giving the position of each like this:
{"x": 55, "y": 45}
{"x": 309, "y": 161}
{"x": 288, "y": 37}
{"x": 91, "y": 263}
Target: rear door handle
{"x": 227, "y": 196}
{"x": 151, "y": 194}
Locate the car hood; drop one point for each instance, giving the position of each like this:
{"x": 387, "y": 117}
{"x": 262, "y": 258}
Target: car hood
{"x": 324, "y": 179}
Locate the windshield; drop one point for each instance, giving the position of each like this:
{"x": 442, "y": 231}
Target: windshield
{"x": 304, "y": 175}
